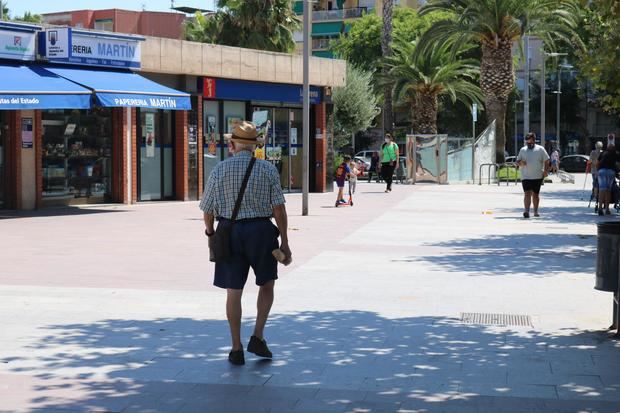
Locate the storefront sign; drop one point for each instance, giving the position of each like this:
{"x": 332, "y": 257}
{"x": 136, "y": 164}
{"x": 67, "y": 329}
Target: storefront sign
{"x": 208, "y": 87}
{"x": 65, "y": 45}
{"x": 27, "y": 133}
{"x": 17, "y": 45}
{"x": 149, "y": 131}
{"x": 260, "y": 91}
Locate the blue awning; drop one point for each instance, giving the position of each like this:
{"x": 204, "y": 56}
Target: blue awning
{"x": 32, "y": 87}
{"x": 125, "y": 89}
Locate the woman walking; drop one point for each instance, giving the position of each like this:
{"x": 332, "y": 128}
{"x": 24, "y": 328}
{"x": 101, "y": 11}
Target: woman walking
{"x": 389, "y": 160}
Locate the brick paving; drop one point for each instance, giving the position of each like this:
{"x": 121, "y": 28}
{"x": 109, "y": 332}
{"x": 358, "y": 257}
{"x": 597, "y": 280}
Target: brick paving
{"x": 111, "y": 309}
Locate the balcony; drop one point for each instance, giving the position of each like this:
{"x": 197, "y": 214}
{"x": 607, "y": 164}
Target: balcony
{"x": 338, "y": 14}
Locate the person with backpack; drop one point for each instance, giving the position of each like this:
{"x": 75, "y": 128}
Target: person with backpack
{"x": 389, "y": 160}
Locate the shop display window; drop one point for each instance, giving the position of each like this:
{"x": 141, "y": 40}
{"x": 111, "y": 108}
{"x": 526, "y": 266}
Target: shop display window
{"x": 77, "y": 156}
{"x": 4, "y": 131}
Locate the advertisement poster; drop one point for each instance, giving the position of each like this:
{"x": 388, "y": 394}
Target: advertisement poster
{"x": 211, "y": 124}
{"x": 149, "y": 138}
{"x": 26, "y": 132}
{"x": 212, "y": 146}
{"x": 274, "y": 154}
{"x": 231, "y": 122}
{"x": 259, "y": 118}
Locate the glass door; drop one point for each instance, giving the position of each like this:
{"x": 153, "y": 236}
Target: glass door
{"x": 281, "y": 134}
{"x": 3, "y": 133}
{"x": 156, "y": 155}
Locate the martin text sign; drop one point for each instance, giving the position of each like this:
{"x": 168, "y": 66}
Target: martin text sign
{"x": 90, "y": 48}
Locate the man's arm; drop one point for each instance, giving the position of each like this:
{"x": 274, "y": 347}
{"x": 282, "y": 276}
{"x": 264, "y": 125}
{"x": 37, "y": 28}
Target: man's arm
{"x": 547, "y": 167}
{"x": 279, "y": 213}
{"x": 209, "y": 222}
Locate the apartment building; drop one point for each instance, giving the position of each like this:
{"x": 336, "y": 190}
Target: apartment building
{"x": 330, "y": 18}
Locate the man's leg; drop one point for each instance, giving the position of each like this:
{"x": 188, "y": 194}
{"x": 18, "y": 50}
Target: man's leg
{"x": 536, "y": 201}
{"x": 233, "y": 313}
{"x": 527, "y": 201}
{"x": 263, "y": 306}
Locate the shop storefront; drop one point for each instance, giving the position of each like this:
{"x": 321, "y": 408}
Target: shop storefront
{"x": 275, "y": 108}
{"x": 90, "y": 129}
{"x": 4, "y": 132}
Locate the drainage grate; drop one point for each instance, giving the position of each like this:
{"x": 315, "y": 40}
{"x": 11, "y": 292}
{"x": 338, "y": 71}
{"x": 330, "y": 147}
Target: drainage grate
{"x": 491, "y": 319}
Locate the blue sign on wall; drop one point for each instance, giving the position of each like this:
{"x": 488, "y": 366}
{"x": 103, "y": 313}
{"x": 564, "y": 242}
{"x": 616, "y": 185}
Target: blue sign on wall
{"x": 66, "y": 45}
{"x": 266, "y": 92}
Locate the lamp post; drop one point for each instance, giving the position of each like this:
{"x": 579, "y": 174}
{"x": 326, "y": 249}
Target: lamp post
{"x": 543, "y": 112}
{"x": 558, "y": 101}
{"x": 516, "y": 127}
{"x": 305, "y": 182}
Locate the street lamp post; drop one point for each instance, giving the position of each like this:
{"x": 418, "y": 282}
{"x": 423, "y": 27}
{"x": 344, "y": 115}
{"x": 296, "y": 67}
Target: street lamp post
{"x": 516, "y": 127}
{"x": 305, "y": 183}
{"x": 558, "y": 101}
{"x": 543, "y": 112}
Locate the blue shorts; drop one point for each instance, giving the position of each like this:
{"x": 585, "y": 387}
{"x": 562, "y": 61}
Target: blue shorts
{"x": 606, "y": 178}
{"x": 252, "y": 242}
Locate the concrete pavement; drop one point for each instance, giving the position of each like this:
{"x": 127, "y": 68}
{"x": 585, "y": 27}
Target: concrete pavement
{"x": 111, "y": 309}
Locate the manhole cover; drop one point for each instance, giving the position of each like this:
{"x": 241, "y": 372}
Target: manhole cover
{"x": 491, "y": 319}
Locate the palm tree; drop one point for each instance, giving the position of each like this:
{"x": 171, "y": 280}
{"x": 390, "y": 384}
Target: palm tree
{"x": 495, "y": 25}
{"x": 386, "y": 50}
{"x": 423, "y": 79}
{"x": 253, "y": 24}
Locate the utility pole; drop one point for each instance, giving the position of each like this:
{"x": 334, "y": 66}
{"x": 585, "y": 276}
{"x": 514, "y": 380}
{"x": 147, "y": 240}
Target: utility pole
{"x": 306, "y": 109}
{"x": 1, "y": 10}
{"x": 543, "y": 110}
{"x": 526, "y": 89}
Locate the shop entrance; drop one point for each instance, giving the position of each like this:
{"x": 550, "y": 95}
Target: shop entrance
{"x": 3, "y": 134}
{"x": 156, "y": 166}
{"x": 283, "y": 144}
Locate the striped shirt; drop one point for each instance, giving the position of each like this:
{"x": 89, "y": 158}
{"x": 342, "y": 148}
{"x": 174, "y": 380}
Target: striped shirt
{"x": 261, "y": 195}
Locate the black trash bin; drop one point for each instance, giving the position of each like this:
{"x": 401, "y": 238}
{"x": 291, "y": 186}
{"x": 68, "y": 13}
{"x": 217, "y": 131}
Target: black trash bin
{"x": 607, "y": 255}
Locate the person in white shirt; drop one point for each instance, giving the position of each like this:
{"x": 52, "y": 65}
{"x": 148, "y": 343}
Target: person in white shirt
{"x": 534, "y": 163}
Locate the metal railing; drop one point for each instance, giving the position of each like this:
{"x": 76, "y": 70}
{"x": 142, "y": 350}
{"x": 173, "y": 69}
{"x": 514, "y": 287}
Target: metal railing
{"x": 488, "y": 165}
{"x": 507, "y": 165}
{"x": 339, "y": 14}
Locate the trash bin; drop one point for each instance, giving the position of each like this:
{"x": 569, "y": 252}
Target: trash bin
{"x": 607, "y": 255}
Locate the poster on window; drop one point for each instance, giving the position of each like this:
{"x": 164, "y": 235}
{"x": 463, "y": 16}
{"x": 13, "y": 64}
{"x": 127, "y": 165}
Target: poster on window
{"x": 149, "y": 130}
{"x": 26, "y": 132}
{"x": 231, "y": 122}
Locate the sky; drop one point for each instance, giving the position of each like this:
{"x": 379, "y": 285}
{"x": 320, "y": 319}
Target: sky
{"x": 18, "y": 7}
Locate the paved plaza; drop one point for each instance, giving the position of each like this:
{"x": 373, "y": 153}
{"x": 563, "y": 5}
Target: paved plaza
{"x": 111, "y": 309}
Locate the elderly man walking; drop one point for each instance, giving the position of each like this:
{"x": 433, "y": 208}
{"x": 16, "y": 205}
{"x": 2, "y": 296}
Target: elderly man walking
{"x": 253, "y": 236}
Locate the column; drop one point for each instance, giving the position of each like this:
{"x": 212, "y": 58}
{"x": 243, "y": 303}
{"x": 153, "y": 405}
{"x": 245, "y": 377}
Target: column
{"x": 181, "y": 142}
{"x": 320, "y": 148}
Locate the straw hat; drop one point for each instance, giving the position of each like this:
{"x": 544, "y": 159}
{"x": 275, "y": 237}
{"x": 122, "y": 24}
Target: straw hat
{"x": 244, "y": 132}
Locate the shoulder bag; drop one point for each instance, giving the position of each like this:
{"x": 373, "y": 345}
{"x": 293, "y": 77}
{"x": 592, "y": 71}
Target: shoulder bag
{"x": 221, "y": 239}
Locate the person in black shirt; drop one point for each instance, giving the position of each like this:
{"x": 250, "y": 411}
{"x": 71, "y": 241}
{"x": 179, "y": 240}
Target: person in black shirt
{"x": 606, "y": 177}
{"x": 374, "y": 165}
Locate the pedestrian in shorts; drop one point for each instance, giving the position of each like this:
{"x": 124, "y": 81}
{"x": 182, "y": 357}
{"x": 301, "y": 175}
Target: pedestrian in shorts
{"x": 534, "y": 164}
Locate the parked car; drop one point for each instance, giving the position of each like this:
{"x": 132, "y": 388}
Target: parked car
{"x": 362, "y": 165}
{"x": 510, "y": 159}
{"x": 574, "y": 163}
{"x": 365, "y": 155}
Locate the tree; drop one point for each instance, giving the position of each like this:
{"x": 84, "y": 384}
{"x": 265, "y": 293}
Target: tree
{"x": 423, "y": 79}
{"x": 495, "y": 25}
{"x": 29, "y": 18}
{"x": 386, "y": 52}
{"x": 195, "y": 29}
{"x": 598, "y": 61}
{"x": 253, "y": 24}
{"x": 355, "y": 106}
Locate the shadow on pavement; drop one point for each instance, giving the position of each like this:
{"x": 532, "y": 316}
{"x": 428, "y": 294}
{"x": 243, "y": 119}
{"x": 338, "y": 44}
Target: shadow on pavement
{"x": 325, "y": 361}
{"x": 531, "y": 254}
{"x": 560, "y": 215}
{"x": 57, "y": 212}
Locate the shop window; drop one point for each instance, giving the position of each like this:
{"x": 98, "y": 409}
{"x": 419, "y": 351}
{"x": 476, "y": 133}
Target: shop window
{"x": 77, "y": 156}
{"x": 4, "y": 129}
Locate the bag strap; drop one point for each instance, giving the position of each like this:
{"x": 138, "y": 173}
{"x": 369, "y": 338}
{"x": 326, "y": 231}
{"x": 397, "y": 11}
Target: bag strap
{"x": 244, "y": 184}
